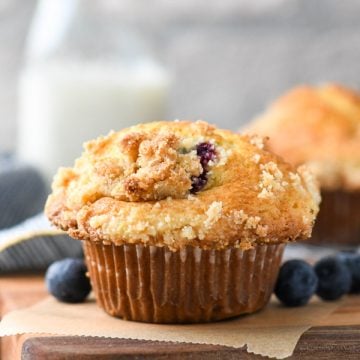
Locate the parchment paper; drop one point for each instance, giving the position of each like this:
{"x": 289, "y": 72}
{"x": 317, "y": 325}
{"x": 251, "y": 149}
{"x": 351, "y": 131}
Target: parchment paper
{"x": 272, "y": 332}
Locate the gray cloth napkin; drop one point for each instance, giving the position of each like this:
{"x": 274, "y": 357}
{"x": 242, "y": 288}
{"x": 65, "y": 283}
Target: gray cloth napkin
{"x": 22, "y": 192}
{"x": 27, "y": 241}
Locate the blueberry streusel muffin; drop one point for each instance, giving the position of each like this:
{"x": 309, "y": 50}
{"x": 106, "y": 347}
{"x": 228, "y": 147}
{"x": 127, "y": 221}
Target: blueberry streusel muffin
{"x": 320, "y": 127}
{"x": 181, "y": 221}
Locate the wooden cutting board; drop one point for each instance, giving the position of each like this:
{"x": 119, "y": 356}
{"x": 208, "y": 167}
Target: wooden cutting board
{"x": 339, "y": 338}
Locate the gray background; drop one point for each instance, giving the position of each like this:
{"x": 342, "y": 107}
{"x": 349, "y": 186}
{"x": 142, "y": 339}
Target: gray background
{"x": 229, "y": 57}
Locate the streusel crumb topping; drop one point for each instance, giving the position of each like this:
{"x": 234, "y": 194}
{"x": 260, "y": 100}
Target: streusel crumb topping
{"x": 182, "y": 183}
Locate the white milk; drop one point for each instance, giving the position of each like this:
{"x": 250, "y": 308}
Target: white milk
{"x": 63, "y": 104}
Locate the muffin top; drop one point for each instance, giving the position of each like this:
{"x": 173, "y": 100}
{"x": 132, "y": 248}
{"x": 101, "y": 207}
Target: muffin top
{"x": 319, "y": 126}
{"x": 182, "y": 183}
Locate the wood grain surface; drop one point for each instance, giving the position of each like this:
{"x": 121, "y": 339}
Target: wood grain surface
{"x": 342, "y": 342}
{"x": 338, "y": 337}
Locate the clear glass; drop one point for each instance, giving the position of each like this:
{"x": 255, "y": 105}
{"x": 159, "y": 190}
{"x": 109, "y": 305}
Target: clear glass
{"x": 85, "y": 75}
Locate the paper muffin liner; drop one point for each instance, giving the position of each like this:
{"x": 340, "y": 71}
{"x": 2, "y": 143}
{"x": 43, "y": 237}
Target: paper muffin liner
{"x": 157, "y": 285}
{"x": 338, "y": 222}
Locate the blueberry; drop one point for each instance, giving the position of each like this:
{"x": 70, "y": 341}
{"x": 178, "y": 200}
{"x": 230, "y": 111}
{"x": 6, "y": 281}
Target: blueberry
{"x": 334, "y": 278}
{"x": 206, "y": 152}
{"x": 296, "y": 283}
{"x": 66, "y": 280}
{"x": 198, "y": 182}
{"x": 352, "y": 261}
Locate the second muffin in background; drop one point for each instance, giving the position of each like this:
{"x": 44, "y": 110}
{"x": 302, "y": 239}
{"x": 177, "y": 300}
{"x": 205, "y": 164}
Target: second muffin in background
{"x": 320, "y": 127}
{"x": 181, "y": 221}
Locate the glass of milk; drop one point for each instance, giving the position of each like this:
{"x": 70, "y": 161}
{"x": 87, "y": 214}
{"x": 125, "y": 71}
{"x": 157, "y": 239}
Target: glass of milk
{"x": 83, "y": 77}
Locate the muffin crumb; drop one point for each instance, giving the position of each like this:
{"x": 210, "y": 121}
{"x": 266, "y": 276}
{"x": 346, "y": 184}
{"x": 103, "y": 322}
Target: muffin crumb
{"x": 239, "y": 217}
{"x": 213, "y": 213}
{"x": 98, "y": 221}
{"x": 257, "y": 141}
{"x": 252, "y": 222}
{"x": 256, "y": 158}
{"x": 188, "y": 232}
{"x": 262, "y": 230}
{"x": 270, "y": 180}
{"x": 222, "y": 157}
{"x": 157, "y": 205}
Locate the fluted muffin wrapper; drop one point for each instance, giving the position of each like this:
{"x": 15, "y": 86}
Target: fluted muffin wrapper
{"x": 338, "y": 222}
{"x": 157, "y": 285}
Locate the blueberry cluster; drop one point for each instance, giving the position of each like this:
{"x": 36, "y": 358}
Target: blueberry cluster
{"x": 206, "y": 152}
{"x": 330, "y": 278}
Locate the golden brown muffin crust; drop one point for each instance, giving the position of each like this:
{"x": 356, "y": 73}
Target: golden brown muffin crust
{"x": 137, "y": 186}
{"x": 318, "y": 126}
